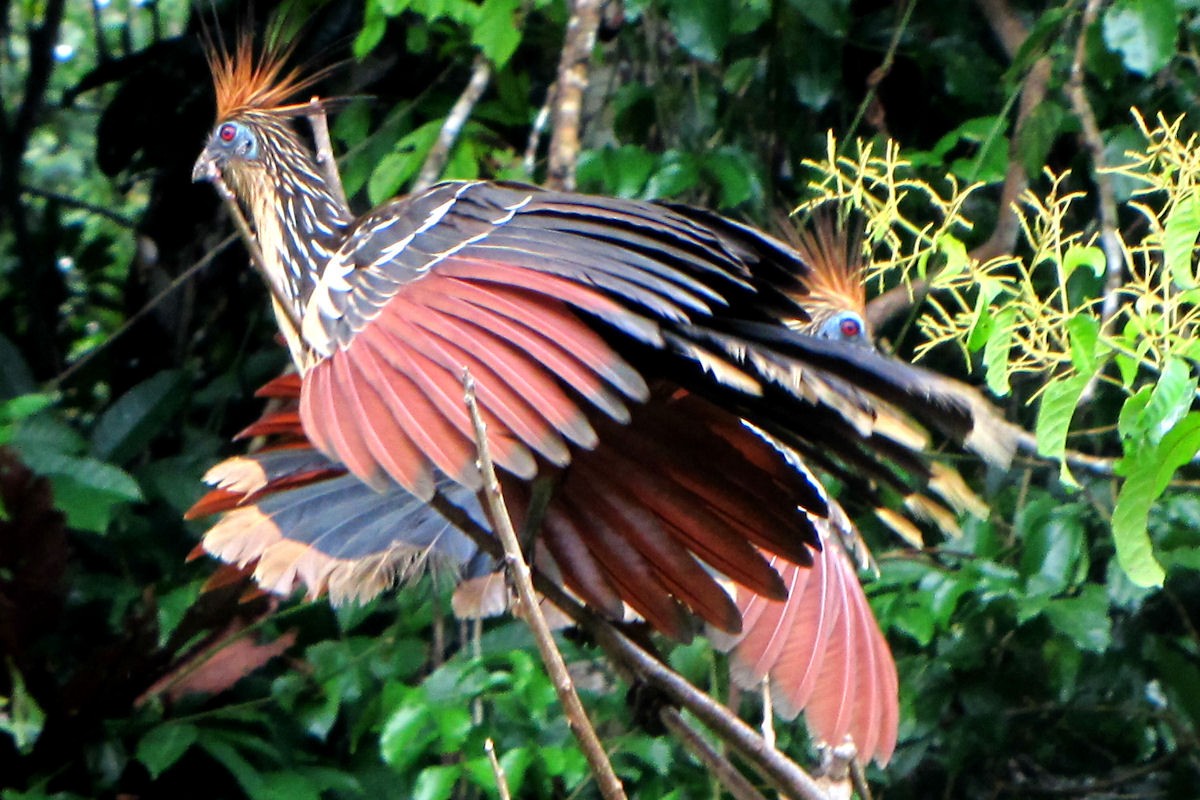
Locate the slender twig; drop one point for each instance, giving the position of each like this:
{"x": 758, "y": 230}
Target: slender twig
{"x": 326, "y": 161}
{"x": 535, "y": 132}
{"x": 1012, "y": 33}
{"x": 149, "y": 306}
{"x": 497, "y": 770}
{"x": 768, "y": 709}
{"x": 439, "y": 154}
{"x": 858, "y": 779}
{"x": 82, "y": 205}
{"x": 783, "y": 773}
{"x": 877, "y": 75}
{"x": 572, "y": 81}
{"x": 717, "y": 764}
{"x": 518, "y": 571}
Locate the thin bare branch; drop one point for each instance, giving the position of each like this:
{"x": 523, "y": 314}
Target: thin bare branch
{"x": 435, "y": 162}
{"x": 497, "y": 770}
{"x": 149, "y": 306}
{"x": 783, "y": 773}
{"x": 1012, "y": 34}
{"x": 571, "y": 82}
{"x": 531, "y": 610}
{"x": 529, "y": 162}
{"x": 82, "y": 205}
{"x": 717, "y": 764}
{"x": 326, "y": 161}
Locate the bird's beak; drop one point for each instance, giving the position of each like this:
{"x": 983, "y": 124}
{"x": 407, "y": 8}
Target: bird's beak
{"x": 206, "y": 168}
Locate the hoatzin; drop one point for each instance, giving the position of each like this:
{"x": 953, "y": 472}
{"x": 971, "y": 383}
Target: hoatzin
{"x": 631, "y": 356}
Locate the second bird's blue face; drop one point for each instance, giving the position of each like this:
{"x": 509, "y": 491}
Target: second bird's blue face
{"x": 846, "y": 326}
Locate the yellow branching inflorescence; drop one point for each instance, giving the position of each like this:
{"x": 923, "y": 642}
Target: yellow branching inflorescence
{"x": 1025, "y": 310}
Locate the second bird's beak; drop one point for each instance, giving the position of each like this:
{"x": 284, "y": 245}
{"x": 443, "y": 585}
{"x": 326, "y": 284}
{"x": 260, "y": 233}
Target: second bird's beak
{"x": 206, "y": 168}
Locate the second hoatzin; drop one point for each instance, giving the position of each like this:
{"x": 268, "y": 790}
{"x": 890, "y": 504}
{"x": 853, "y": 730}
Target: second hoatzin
{"x": 631, "y": 356}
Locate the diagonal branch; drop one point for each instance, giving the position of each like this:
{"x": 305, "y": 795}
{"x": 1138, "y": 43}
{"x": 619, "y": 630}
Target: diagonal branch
{"x": 568, "y": 97}
{"x": 439, "y": 154}
{"x": 634, "y": 663}
{"x": 531, "y": 610}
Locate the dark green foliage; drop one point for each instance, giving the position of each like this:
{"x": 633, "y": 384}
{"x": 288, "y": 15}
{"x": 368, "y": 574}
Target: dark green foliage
{"x": 1031, "y": 665}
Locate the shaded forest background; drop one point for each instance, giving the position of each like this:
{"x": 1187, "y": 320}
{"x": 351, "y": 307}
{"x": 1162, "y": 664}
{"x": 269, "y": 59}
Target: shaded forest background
{"x": 132, "y": 338}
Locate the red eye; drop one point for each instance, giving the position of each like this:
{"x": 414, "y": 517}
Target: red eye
{"x": 850, "y": 328}
{"x": 227, "y": 132}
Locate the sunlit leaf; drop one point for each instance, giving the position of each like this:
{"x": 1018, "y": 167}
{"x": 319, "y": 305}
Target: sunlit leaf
{"x": 995, "y": 352}
{"x": 1143, "y": 32}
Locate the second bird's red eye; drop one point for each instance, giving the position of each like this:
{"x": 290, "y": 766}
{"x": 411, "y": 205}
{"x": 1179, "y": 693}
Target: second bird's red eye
{"x": 850, "y": 328}
{"x": 227, "y": 132}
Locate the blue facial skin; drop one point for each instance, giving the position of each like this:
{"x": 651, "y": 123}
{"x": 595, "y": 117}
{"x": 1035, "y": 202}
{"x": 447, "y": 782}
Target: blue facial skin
{"x": 846, "y": 326}
{"x": 234, "y": 140}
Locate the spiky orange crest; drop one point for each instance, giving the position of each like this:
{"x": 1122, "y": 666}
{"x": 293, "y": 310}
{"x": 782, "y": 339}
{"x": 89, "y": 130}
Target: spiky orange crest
{"x": 248, "y": 80}
{"x": 834, "y": 253}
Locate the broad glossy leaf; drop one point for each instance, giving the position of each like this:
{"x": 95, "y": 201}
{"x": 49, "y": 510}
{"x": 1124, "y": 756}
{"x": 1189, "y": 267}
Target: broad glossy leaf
{"x": 165, "y": 744}
{"x": 1179, "y": 240}
{"x": 497, "y": 33}
{"x": 137, "y": 416}
{"x": 1084, "y": 618}
{"x": 1143, "y": 32}
{"x": 996, "y": 351}
{"x": 1055, "y": 410}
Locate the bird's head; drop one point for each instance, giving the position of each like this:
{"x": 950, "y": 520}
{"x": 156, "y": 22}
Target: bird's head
{"x": 253, "y": 90}
{"x": 833, "y": 290}
{"x": 232, "y": 146}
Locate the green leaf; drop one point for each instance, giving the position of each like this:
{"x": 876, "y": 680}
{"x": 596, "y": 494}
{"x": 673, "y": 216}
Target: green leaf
{"x": 86, "y": 490}
{"x": 497, "y": 34}
{"x": 996, "y": 351}
{"x": 1129, "y": 421}
{"x": 1083, "y": 331}
{"x": 20, "y": 715}
{"x": 374, "y": 26}
{"x": 831, "y": 17}
{"x": 1148, "y": 471}
{"x": 1053, "y": 538}
{"x": 1171, "y": 399}
{"x": 1038, "y": 134}
{"x": 678, "y": 173}
{"x": 622, "y": 171}
{"x": 734, "y": 173}
{"x": 129, "y": 424}
{"x": 15, "y": 376}
{"x": 1142, "y": 32}
{"x": 1179, "y": 240}
{"x": 1084, "y": 618}
{"x": 394, "y": 169}
{"x": 436, "y": 783}
{"x": 1057, "y": 406}
{"x": 1090, "y": 257}
{"x": 164, "y": 745}
{"x": 702, "y": 29}
{"x": 250, "y": 779}
{"x": 406, "y": 734}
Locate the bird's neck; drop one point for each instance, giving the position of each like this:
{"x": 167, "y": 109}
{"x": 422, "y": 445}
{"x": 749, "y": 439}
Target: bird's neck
{"x": 299, "y": 224}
